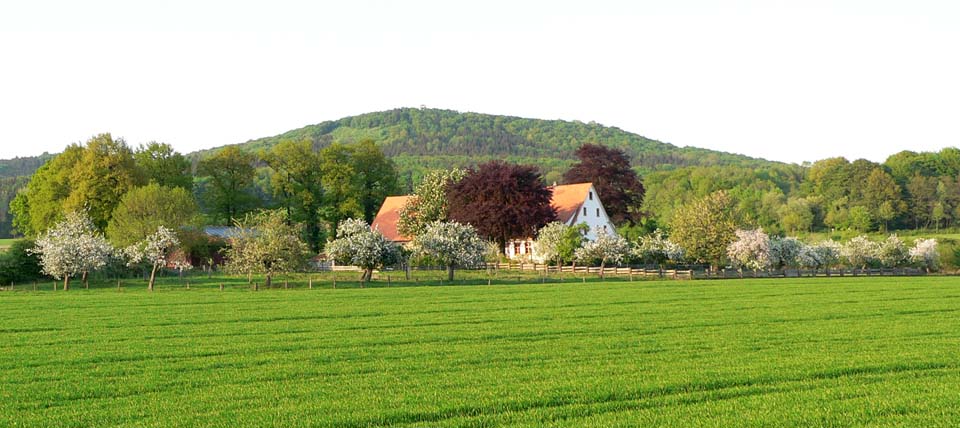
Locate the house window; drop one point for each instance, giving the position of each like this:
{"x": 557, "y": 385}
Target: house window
{"x": 604, "y": 228}
{"x": 584, "y": 211}
{"x": 591, "y": 196}
{"x": 526, "y": 248}
{"x": 598, "y": 212}
{"x": 516, "y": 248}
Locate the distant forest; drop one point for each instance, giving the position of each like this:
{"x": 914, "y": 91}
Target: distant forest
{"x": 909, "y": 190}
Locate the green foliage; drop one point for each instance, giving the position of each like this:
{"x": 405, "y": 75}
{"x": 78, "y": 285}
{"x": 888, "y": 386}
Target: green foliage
{"x": 228, "y": 190}
{"x": 266, "y": 243}
{"x": 357, "y": 245}
{"x": 429, "y": 201}
{"x": 296, "y": 183}
{"x": 705, "y": 228}
{"x": 162, "y": 165}
{"x": 18, "y": 263}
{"x": 144, "y": 209}
{"x": 100, "y": 178}
{"x": 558, "y": 242}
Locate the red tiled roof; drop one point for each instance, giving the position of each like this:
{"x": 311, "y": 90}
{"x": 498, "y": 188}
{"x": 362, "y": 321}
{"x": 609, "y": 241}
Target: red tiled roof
{"x": 568, "y": 198}
{"x": 388, "y": 217}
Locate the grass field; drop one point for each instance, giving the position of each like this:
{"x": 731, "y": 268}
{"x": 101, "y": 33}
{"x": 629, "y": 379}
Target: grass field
{"x": 800, "y": 352}
{"x": 6, "y": 243}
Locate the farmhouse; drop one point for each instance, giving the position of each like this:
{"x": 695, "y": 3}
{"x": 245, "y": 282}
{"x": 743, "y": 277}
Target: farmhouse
{"x": 574, "y": 203}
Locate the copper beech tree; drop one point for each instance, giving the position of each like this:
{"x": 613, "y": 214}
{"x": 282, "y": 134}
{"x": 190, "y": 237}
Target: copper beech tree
{"x": 502, "y": 201}
{"x": 617, "y": 184}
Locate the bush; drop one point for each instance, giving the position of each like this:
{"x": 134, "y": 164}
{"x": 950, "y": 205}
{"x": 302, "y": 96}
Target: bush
{"x": 18, "y": 264}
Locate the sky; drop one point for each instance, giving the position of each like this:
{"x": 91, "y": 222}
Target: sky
{"x": 790, "y": 81}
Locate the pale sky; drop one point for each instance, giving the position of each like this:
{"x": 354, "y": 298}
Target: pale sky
{"x": 783, "y": 80}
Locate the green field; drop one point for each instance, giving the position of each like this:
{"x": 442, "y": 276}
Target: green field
{"x": 801, "y": 352}
{"x": 6, "y": 243}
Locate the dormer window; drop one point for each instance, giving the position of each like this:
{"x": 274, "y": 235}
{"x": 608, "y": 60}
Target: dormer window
{"x": 591, "y": 196}
{"x": 584, "y": 211}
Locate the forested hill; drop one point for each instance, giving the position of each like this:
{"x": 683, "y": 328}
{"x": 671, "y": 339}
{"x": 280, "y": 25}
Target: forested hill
{"x": 431, "y": 135}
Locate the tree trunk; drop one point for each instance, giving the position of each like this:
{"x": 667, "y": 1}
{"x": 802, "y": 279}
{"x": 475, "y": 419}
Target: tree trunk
{"x": 66, "y": 282}
{"x": 603, "y": 263}
{"x": 450, "y": 272}
{"x": 153, "y": 277}
{"x": 85, "y": 283}
{"x": 268, "y": 281}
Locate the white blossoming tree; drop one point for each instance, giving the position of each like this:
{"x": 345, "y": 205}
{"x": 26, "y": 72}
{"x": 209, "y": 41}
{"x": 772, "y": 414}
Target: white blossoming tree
{"x": 152, "y": 251}
{"x": 607, "y": 248}
{"x": 266, "y": 242}
{"x": 819, "y": 256}
{"x": 358, "y": 245}
{"x": 784, "y": 252}
{"x": 924, "y": 253}
{"x": 655, "y": 248}
{"x": 751, "y": 249}
{"x": 892, "y": 252}
{"x": 859, "y": 252}
{"x": 72, "y": 247}
{"x": 557, "y": 241}
{"x": 452, "y": 244}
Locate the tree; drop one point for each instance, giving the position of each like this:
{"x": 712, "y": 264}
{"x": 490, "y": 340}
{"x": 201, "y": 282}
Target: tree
{"x": 881, "y": 195}
{"x": 429, "y": 201}
{"x": 607, "y": 248}
{"x": 144, "y": 209}
{"x": 797, "y": 215}
{"x": 358, "y": 245}
{"x": 616, "y": 183}
{"x": 266, "y": 243}
{"x": 705, "y": 228}
{"x": 784, "y": 252}
{"x": 924, "y": 253}
{"x": 859, "y": 251}
{"x": 751, "y": 249}
{"x": 296, "y": 180}
{"x": 822, "y": 255}
{"x": 162, "y": 165}
{"x": 104, "y": 173}
{"x": 72, "y": 247}
{"x": 452, "y": 244}
{"x": 922, "y": 197}
{"x": 19, "y": 263}
{"x": 892, "y": 252}
{"x": 557, "y": 241}
{"x": 377, "y": 177}
{"x": 657, "y": 249}
{"x": 228, "y": 190}
{"x": 341, "y": 182}
{"x": 153, "y": 251}
{"x": 502, "y": 201}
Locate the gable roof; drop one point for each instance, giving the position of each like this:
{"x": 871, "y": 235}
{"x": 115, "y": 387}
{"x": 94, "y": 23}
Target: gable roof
{"x": 388, "y": 217}
{"x": 568, "y": 198}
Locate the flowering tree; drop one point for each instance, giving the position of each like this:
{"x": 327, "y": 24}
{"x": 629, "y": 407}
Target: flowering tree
{"x": 705, "y": 227}
{"x": 750, "y": 250}
{"x": 266, "y": 243}
{"x": 358, "y": 245}
{"x": 452, "y": 244}
{"x": 152, "y": 251}
{"x": 657, "y": 249}
{"x": 892, "y": 252}
{"x": 558, "y": 241}
{"x": 784, "y": 252}
{"x": 859, "y": 251}
{"x": 822, "y": 255}
{"x": 73, "y": 246}
{"x": 924, "y": 253}
{"x": 607, "y": 248}
{"x": 429, "y": 201}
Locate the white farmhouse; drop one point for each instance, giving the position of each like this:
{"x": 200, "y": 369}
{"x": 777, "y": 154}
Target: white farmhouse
{"x": 575, "y": 204}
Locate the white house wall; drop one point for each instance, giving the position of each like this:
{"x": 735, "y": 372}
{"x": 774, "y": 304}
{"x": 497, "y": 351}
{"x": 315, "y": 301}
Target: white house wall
{"x": 595, "y": 217}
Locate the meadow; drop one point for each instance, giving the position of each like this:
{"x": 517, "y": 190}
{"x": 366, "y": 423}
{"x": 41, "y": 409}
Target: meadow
{"x": 879, "y": 351}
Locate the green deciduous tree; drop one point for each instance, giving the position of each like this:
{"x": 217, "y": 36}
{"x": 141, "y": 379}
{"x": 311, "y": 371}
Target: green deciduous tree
{"x": 228, "y": 193}
{"x": 144, "y": 209}
{"x": 557, "y": 241}
{"x": 103, "y": 174}
{"x": 705, "y": 228}
{"x": 296, "y": 180}
{"x": 162, "y": 165}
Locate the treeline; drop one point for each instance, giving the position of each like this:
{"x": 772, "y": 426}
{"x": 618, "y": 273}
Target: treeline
{"x": 909, "y": 190}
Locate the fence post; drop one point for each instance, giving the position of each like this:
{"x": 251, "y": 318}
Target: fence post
{"x": 310, "y": 283}
{"x": 221, "y": 286}
{"x": 284, "y": 284}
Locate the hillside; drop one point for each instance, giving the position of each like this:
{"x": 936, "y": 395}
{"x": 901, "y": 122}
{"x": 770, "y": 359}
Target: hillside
{"x": 418, "y": 138}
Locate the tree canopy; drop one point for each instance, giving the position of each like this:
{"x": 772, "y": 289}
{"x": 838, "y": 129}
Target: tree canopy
{"x": 617, "y": 184}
